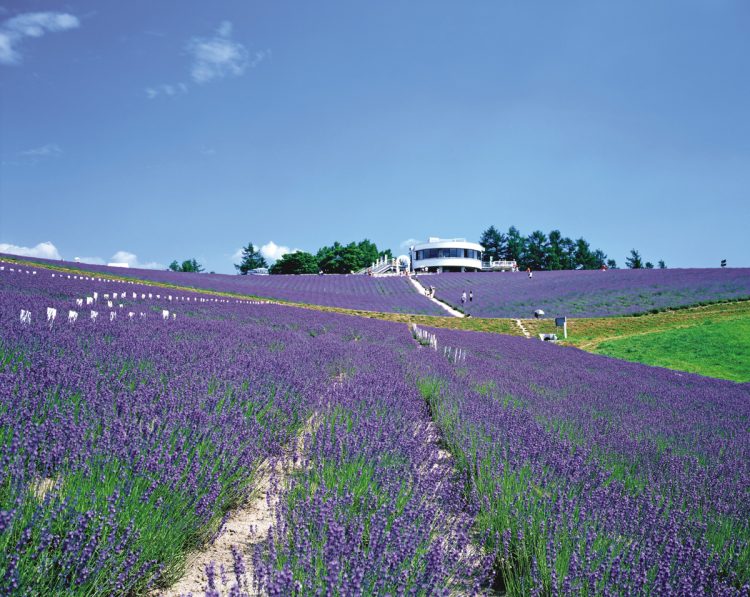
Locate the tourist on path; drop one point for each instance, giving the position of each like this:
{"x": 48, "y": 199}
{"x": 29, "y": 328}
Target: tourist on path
{"x": 463, "y": 298}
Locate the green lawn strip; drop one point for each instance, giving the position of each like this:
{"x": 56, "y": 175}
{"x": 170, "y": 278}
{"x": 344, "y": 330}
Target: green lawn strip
{"x": 713, "y": 348}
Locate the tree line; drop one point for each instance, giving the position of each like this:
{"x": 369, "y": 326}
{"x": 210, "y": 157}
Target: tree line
{"x": 553, "y": 251}
{"x": 538, "y": 251}
{"x": 335, "y": 259}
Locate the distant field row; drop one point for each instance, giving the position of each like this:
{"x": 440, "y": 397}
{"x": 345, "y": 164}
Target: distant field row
{"x": 495, "y": 295}
{"x": 711, "y": 340}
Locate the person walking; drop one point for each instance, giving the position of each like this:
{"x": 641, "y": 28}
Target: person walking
{"x": 471, "y": 295}
{"x": 528, "y": 270}
{"x": 463, "y": 298}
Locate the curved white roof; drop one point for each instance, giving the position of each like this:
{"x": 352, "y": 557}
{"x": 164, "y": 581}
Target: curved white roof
{"x": 448, "y": 243}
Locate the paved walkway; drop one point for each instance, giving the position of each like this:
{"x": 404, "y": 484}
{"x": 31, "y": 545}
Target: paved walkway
{"x": 421, "y": 290}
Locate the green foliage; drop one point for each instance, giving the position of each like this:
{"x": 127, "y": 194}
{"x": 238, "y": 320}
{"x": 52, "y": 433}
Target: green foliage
{"x": 540, "y": 251}
{"x": 661, "y": 264}
{"x": 515, "y": 245}
{"x": 536, "y": 250}
{"x": 344, "y": 259}
{"x": 298, "y": 262}
{"x": 494, "y": 243}
{"x": 251, "y": 259}
{"x": 189, "y": 265}
{"x": 634, "y": 261}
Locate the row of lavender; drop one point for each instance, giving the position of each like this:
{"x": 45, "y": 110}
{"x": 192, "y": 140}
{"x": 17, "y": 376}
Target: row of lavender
{"x": 377, "y": 509}
{"x": 594, "y": 475}
{"x": 388, "y": 294}
{"x": 588, "y": 293}
{"x": 123, "y": 442}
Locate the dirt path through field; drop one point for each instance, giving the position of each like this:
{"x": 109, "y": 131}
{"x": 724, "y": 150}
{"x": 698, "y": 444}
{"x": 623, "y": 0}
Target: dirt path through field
{"x": 245, "y": 527}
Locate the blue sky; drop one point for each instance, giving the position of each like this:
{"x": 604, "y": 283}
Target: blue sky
{"x": 151, "y": 131}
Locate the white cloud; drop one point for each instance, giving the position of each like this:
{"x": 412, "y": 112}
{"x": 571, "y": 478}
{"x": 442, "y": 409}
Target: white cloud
{"x": 166, "y": 90}
{"x": 30, "y": 24}
{"x": 217, "y": 57}
{"x": 405, "y": 244}
{"x": 45, "y": 250}
{"x": 274, "y": 252}
{"x": 48, "y": 150}
{"x": 236, "y": 256}
{"x": 132, "y": 260}
{"x": 90, "y": 260}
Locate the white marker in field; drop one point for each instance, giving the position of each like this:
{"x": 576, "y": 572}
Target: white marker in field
{"x": 51, "y": 314}
{"x": 89, "y": 300}
{"x": 72, "y": 316}
{"x": 130, "y": 314}
{"x": 94, "y": 315}
{"x": 165, "y": 314}
{"x": 96, "y": 295}
{"x": 112, "y": 315}
{"x": 79, "y": 302}
{"x": 109, "y": 304}
{"x": 25, "y": 316}
{"x": 174, "y": 316}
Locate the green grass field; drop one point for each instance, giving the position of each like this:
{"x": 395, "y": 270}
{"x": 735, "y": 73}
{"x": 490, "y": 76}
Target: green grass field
{"x": 713, "y": 348}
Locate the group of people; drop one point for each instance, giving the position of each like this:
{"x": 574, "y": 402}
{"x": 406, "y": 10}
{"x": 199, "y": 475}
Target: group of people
{"x": 430, "y": 291}
{"x": 470, "y": 297}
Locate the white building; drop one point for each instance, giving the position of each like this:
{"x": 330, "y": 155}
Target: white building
{"x": 446, "y": 255}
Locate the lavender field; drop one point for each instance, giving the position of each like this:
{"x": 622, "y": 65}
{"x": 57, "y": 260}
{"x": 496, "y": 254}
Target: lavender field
{"x": 388, "y": 295}
{"x": 474, "y": 462}
{"x": 589, "y": 293}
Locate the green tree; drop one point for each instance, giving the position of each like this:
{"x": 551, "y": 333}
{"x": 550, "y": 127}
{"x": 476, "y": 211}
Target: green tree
{"x": 189, "y": 265}
{"x": 584, "y": 257}
{"x": 535, "y": 253}
{"x": 515, "y": 246}
{"x": 634, "y": 261}
{"x": 611, "y": 264}
{"x": 662, "y": 265}
{"x": 649, "y": 265}
{"x": 494, "y": 243}
{"x": 600, "y": 257}
{"x": 298, "y": 262}
{"x": 568, "y": 247}
{"x": 343, "y": 259}
{"x": 555, "y": 253}
{"x": 251, "y": 259}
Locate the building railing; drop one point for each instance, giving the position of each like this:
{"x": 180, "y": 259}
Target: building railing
{"x": 499, "y": 264}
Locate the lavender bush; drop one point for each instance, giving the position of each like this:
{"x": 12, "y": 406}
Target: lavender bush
{"x": 589, "y": 293}
{"x": 596, "y": 475}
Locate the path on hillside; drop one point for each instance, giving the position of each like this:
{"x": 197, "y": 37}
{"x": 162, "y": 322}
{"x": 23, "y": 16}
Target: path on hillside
{"x": 422, "y": 290}
{"x": 522, "y": 327}
{"x": 244, "y": 528}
